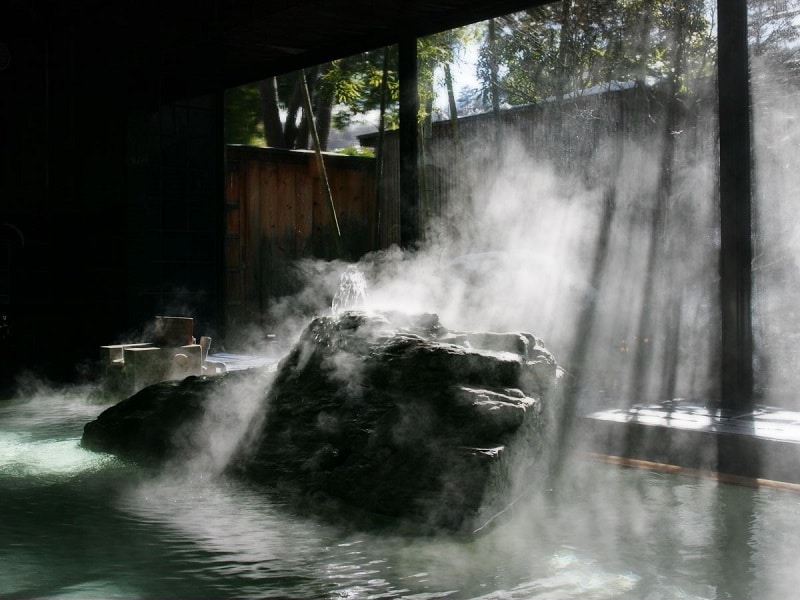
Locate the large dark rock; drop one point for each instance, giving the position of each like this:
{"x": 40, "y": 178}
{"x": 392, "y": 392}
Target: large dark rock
{"x": 162, "y": 421}
{"x": 389, "y": 413}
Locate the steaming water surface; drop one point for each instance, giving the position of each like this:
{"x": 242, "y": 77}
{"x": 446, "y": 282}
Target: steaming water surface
{"x": 77, "y": 524}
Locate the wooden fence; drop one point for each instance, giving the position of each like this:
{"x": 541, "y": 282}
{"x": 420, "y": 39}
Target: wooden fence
{"x": 277, "y": 213}
{"x": 572, "y": 136}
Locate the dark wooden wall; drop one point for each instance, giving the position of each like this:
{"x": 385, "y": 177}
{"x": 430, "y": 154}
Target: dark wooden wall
{"x": 174, "y": 215}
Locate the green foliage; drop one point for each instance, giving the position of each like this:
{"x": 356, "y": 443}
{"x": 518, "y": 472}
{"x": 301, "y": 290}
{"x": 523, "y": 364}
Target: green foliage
{"x": 433, "y": 52}
{"x": 243, "y": 116}
{"x": 357, "y": 151}
{"x": 773, "y": 27}
{"x": 567, "y": 47}
{"x": 352, "y": 85}
{"x": 774, "y": 40}
{"x": 541, "y": 53}
{"x": 355, "y": 84}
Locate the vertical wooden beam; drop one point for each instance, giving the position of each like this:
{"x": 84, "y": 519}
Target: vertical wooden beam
{"x": 409, "y": 142}
{"x": 218, "y": 227}
{"x": 735, "y": 206}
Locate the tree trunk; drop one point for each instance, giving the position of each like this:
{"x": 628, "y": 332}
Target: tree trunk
{"x": 270, "y": 113}
{"x": 494, "y": 76}
{"x": 451, "y": 99}
{"x": 565, "y": 50}
{"x": 309, "y": 82}
{"x": 494, "y": 82}
{"x": 292, "y": 110}
{"x": 642, "y": 48}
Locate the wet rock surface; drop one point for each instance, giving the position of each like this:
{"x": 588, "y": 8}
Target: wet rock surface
{"x": 160, "y": 422}
{"x": 389, "y": 413}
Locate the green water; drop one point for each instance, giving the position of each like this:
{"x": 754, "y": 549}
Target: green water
{"x": 76, "y": 524}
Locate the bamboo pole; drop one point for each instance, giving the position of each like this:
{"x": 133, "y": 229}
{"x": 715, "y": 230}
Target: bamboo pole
{"x": 326, "y": 187}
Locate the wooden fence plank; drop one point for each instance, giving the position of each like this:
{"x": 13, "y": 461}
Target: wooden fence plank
{"x": 303, "y": 214}
{"x": 234, "y": 285}
{"x": 252, "y": 265}
{"x": 267, "y": 241}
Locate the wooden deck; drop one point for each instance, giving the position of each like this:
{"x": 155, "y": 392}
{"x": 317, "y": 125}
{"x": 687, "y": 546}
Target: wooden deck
{"x": 762, "y": 444}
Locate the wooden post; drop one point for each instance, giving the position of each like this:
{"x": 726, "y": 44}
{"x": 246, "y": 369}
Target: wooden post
{"x": 409, "y": 143}
{"x": 735, "y": 163}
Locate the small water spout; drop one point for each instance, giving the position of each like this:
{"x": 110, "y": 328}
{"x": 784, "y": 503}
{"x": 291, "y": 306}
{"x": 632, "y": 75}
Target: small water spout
{"x": 352, "y": 292}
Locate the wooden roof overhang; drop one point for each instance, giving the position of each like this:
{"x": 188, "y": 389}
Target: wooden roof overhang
{"x": 197, "y": 46}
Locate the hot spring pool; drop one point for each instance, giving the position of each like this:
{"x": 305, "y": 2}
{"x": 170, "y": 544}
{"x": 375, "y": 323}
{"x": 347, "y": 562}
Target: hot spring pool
{"x": 76, "y": 524}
